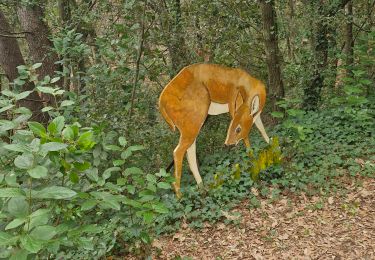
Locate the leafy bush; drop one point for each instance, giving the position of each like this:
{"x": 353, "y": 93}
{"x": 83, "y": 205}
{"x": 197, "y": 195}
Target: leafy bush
{"x": 68, "y": 190}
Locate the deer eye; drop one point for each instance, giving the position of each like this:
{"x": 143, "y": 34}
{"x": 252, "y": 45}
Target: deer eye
{"x": 238, "y": 129}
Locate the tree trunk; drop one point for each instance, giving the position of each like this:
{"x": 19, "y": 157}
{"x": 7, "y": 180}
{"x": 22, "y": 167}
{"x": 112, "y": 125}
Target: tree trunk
{"x": 313, "y": 89}
{"x": 10, "y": 58}
{"x": 31, "y": 21}
{"x": 270, "y": 35}
{"x": 349, "y": 43}
{"x": 64, "y": 11}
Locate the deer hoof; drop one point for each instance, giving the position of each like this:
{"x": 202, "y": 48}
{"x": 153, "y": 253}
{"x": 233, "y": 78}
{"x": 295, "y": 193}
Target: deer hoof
{"x": 177, "y": 190}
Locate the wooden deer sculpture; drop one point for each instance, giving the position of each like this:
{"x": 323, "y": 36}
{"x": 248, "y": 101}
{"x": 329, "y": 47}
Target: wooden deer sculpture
{"x": 199, "y": 90}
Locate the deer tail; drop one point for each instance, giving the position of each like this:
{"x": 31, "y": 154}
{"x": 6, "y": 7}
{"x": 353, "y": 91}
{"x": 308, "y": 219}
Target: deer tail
{"x": 167, "y": 118}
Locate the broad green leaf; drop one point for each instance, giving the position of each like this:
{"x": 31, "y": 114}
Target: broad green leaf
{"x": 24, "y": 161}
{"x": 148, "y": 216}
{"x": 82, "y": 166}
{"x": 53, "y": 146}
{"x": 107, "y": 173}
{"x": 164, "y": 185}
{"x": 54, "y": 192}
{"x": 8, "y": 93}
{"x": 60, "y": 123}
{"x": 6, "y": 239}
{"x": 86, "y": 140}
{"x": 151, "y": 178}
{"x": 126, "y": 154}
{"x": 37, "y": 128}
{"x": 109, "y": 200}
{"x": 67, "y": 103}
{"x": 46, "y": 90}
{"x": 133, "y": 170}
{"x": 88, "y": 204}
{"x": 38, "y": 172}
{"x": 118, "y": 162}
{"x": 36, "y": 65}
{"x": 18, "y": 207}
{"x": 16, "y": 147}
{"x": 15, "y": 223}
{"x": 46, "y": 109}
{"x": 54, "y": 80}
{"x": 23, "y": 95}
{"x": 68, "y": 133}
{"x": 160, "y": 208}
{"x": 19, "y": 255}
{"x": 161, "y": 173}
{"x": 136, "y": 148}
{"x": 39, "y": 217}
{"x": 11, "y": 193}
{"x": 23, "y": 110}
{"x": 43, "y": 232}
{"x": 277, "y": 114}
{"x": 6, "y": 108}
{"x": 31, "y": 244}
{"x": 73, "y": 177}
{"x": 112, "y": 147}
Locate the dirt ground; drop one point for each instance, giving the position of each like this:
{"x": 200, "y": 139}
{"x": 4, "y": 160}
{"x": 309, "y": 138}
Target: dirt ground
{"x": 341, "y": 226}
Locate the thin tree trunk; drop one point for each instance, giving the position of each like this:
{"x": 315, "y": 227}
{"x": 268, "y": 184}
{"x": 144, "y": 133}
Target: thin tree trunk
{"x": 10, "y": 58}
{"x": 31, "y": 21}
{"x": 349, "y": 42}
{"x": 270, "y": 34}
{"x": 139, "y": 55}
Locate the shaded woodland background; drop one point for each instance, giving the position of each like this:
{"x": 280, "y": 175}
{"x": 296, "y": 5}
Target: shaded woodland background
{"x": 84, "y": 76}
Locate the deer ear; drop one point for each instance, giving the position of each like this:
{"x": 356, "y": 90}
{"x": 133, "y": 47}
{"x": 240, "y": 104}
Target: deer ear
{"x": 239, "y": 101}
{"x": 254, "y": 108}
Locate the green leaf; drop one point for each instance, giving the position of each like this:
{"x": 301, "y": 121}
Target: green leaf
{"x": 88, "y": 204}
{"x": 73, "y": 176}
{"x": 5, "y": 238}
{"x": 164, "y": 185}
{"x": 148, "y": 216}
{"x": 118, "y": 162}
{"x": 109, "y": 200}
{"x": 151, "y": 178}
{"x": 30, "y": 244}
{"x": 60, "y": 123}
{"x": 68, "y": 133}
{"x": 15, "y": 223}
{"x": 277, "y": 114}
{"x": 39, "y": 217}
{"x": 24, "y": 161}
{"x": 46, "y": 109}
{"x": 112, "y": 147}
{"x": 38, "y": 172}
{"x": 126, "y": 154}
{"x": 11, "y": 193}
{"x": 18, "y": 207}
{"x": 136, "y": 148}
{"x": 19, "y": 255}
{"x": 82, "y": 166}
{"x": 54, "y": 80}
{"x": 6, "y": 108}
{"x": 54, "y": 192}
{"x": 16, "y": 147}
{"x": 160, "y": 208}
{"x": 36, "y": 65}
{"x": 67, "y": 103}
{"x": 53, "y": 146}
{"x": 46, "y": 90}
{"x": 107, "y": 173}
{"x": 86, "y": 140}
{"x": 161, "y": 173}
{"x": 122, "y": 141}
{"x": 43, "y": 232}
{"x": 37, "y": 128}
{"x": 23, "y": 95}
{"x": 133, "y": 170}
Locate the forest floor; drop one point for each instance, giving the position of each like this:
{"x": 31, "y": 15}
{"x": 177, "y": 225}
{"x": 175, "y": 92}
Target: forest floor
{"x": 331, "y": 226}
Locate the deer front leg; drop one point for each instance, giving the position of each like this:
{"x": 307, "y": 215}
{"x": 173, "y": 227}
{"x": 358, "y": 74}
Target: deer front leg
{"x": 192, "y": 159}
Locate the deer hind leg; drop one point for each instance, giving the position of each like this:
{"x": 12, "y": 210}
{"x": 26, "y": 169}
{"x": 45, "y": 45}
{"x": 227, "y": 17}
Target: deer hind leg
{"x": 178, "y": 155}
